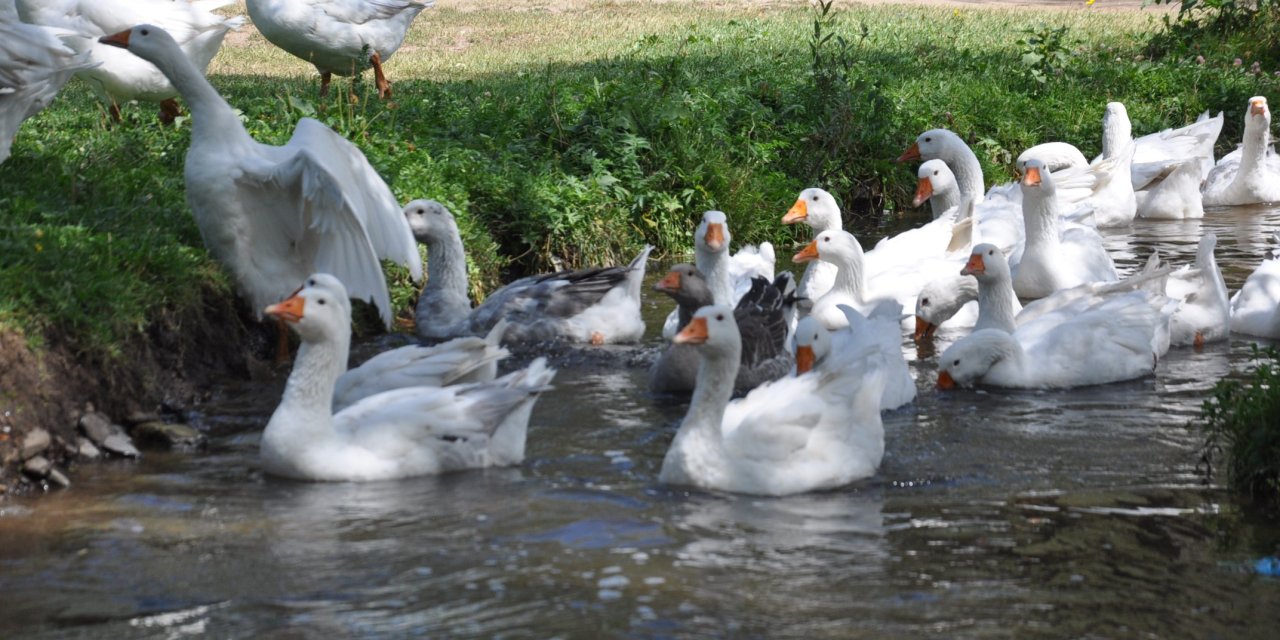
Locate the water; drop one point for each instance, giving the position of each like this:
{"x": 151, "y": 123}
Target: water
{"x": 995, "y": 514}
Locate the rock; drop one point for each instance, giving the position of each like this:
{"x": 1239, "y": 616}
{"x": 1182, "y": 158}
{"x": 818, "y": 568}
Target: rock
{"x": 36, "y": 441}
{"x": 140, "y": 417}
{"x": 59, "y": 478}
{"x": 98, "y": 427}
{"x": 38, "y": 467}
{"x": 120, "y": 444}
{"x": 85, "y": 449}
{"x": 175, "y": 436}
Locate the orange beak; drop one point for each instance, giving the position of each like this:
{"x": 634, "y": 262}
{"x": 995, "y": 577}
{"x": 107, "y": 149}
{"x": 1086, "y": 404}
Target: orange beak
{"x": 798, "y": 212}
{"x": 693, "y": 333}
{"x": 924, "y": 329}
{"x": 808, "y": 254}
{"x": 289, "y": 311}
{"x": 1257, "y": 107}
{"x": 804, "y": 359}
{"x": 715, "y": 236}
{"x": 120, "y": 39}
{"x": 945, "y": 382}
{"x": 924, "y": 191}
{"x": 669, "y": 283}
{"x": 1032, "y": 177}
{"x": 975, "y": 266}
{"x": 912, "y": 153}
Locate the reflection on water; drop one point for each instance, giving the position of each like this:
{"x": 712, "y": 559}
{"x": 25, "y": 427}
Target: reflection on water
{"x": 995, "y": 514}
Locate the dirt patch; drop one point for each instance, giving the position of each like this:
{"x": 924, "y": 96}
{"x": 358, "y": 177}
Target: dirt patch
{"x": 168, "y": 367}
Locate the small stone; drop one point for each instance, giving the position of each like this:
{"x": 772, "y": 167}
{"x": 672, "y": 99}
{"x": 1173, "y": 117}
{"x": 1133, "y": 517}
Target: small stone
{"x": 59, "y": 478}
{"x": 35, "y": 442}
{"x": 97, "y": 426}
{"x": 87, "y": 450}
{"x": 38, "y": 466}
{"x": 175, "y": 436}
{"x": 120, "y": 444}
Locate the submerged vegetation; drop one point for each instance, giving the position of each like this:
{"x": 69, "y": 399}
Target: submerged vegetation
{"x": 571, "y": 138}
{"x": 1243, "y": 424}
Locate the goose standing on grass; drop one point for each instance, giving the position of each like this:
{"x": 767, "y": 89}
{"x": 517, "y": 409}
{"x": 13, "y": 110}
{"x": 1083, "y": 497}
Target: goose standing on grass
{"x": 34, "y": 64}
{"x": 120, "y": 77}
{"x": 597, "y": 306}
{"x": 1250, "y": 174}
{"x": 338, "y": 36}
{"x": 1255, "y": 308}
{"x": 873, "y": 341}
{"x": 811, "y": 432}
{"x": 410, "y": 431}
{"x": 273, "y": 215}
{"x": 762, "y": 320}
{"x": 1055, "y": 258}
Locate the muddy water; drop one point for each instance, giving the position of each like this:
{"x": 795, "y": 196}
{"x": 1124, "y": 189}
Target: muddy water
{"x": 995, "y": 514}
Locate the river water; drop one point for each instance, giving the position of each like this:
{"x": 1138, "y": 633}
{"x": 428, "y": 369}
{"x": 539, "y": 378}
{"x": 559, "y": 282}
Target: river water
{"x": 995, "y": 515}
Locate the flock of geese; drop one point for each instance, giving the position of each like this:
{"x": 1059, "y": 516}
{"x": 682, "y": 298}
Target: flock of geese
{"x": 813, "y": 362}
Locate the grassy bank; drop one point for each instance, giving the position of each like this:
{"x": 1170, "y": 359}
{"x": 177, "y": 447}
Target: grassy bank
{"x": 572, "y": 137}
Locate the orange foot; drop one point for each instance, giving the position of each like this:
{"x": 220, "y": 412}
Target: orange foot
{"x": 1199, "y": 341}
{"x": 597, "y": 338}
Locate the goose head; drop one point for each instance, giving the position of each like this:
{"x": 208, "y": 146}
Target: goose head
{"x": 971, "y": 357}
{"x": 147, "y": 41}
{"x": 713, "y": 234}
{"x": 833, "y": 245}
{"x": 812, "y": 344}
{"x": 686, "y": 285}
{"x": 941, "y": 299}
{"x": 429, "y": 220}
{"x": 931, "y": 145}
{"x": 935, "y": 177}
{"x": 988, "y": 264}
{"x": 816, "y": 208}
{"x": 1037, "y": 180}
{"x": 714, "y": 331}
{"x": 320, "y": 311}
{"x": 1257, "y": 120}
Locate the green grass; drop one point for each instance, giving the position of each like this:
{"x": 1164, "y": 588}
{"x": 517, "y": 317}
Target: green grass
{"x": 1242, "y": 422}
{"x": 568, "y": 138}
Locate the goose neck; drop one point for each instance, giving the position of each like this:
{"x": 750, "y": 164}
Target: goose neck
{"x": 968, "y": 171}
{"x": 1040, "y": 217}
{"x": 715, "y": 267}
{"x": 1253, "y": 153}
{"x": 447, "y": 264}
{"x": 712, "y": 390}
{"x": 996, "y": 304}
{"x": 849, "y": 278}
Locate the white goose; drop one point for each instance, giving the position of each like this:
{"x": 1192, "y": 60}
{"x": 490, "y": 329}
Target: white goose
{"x": 1058, "y": 156}
{"x": 1055, "y": 258}
{"x": 120, "y": 77}
{"x": 1255, "y": 308}
{"x": 730, "y": 276}
{"x": 34, "y": 64}
{"x": 394, "y": 434}
{"x": 818, "y": 209}
{"x": 873, "y": 341}
{"x": 842, "y": 249}
{"x": 1174, "y": 194}
{"x": 936, "y": 183}
{"x": 273, "y": 215}
{"x": 596, "y": 306}
{"x": 338, "y": 36}
{"x": 1250, "y": 174}
{"x": 999, "y": 308}
{"x": 1204, "y": 314}
{"x": 1109, "y": 342}
{"x": 1155, "y": 153}
{"x": 811, "y": 432}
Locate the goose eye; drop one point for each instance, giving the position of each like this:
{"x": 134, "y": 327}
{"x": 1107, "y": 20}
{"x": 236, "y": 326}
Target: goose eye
{"x": 815, "y": 336}
{"x": 815, "y": 198}
{"x": 991, "y": 252}
{"x": 145, "y": 32}
{"x": 928, "y": 139}
{"x": 935, "y": 173}
{"x": 320, "y": 301}
{"x": 924, "y": 302}
{"x": 826, "y": 239}
{"x": 719, "y": 317}
{"x": 956, "y": 363}
{"x": 311, "y": 282}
